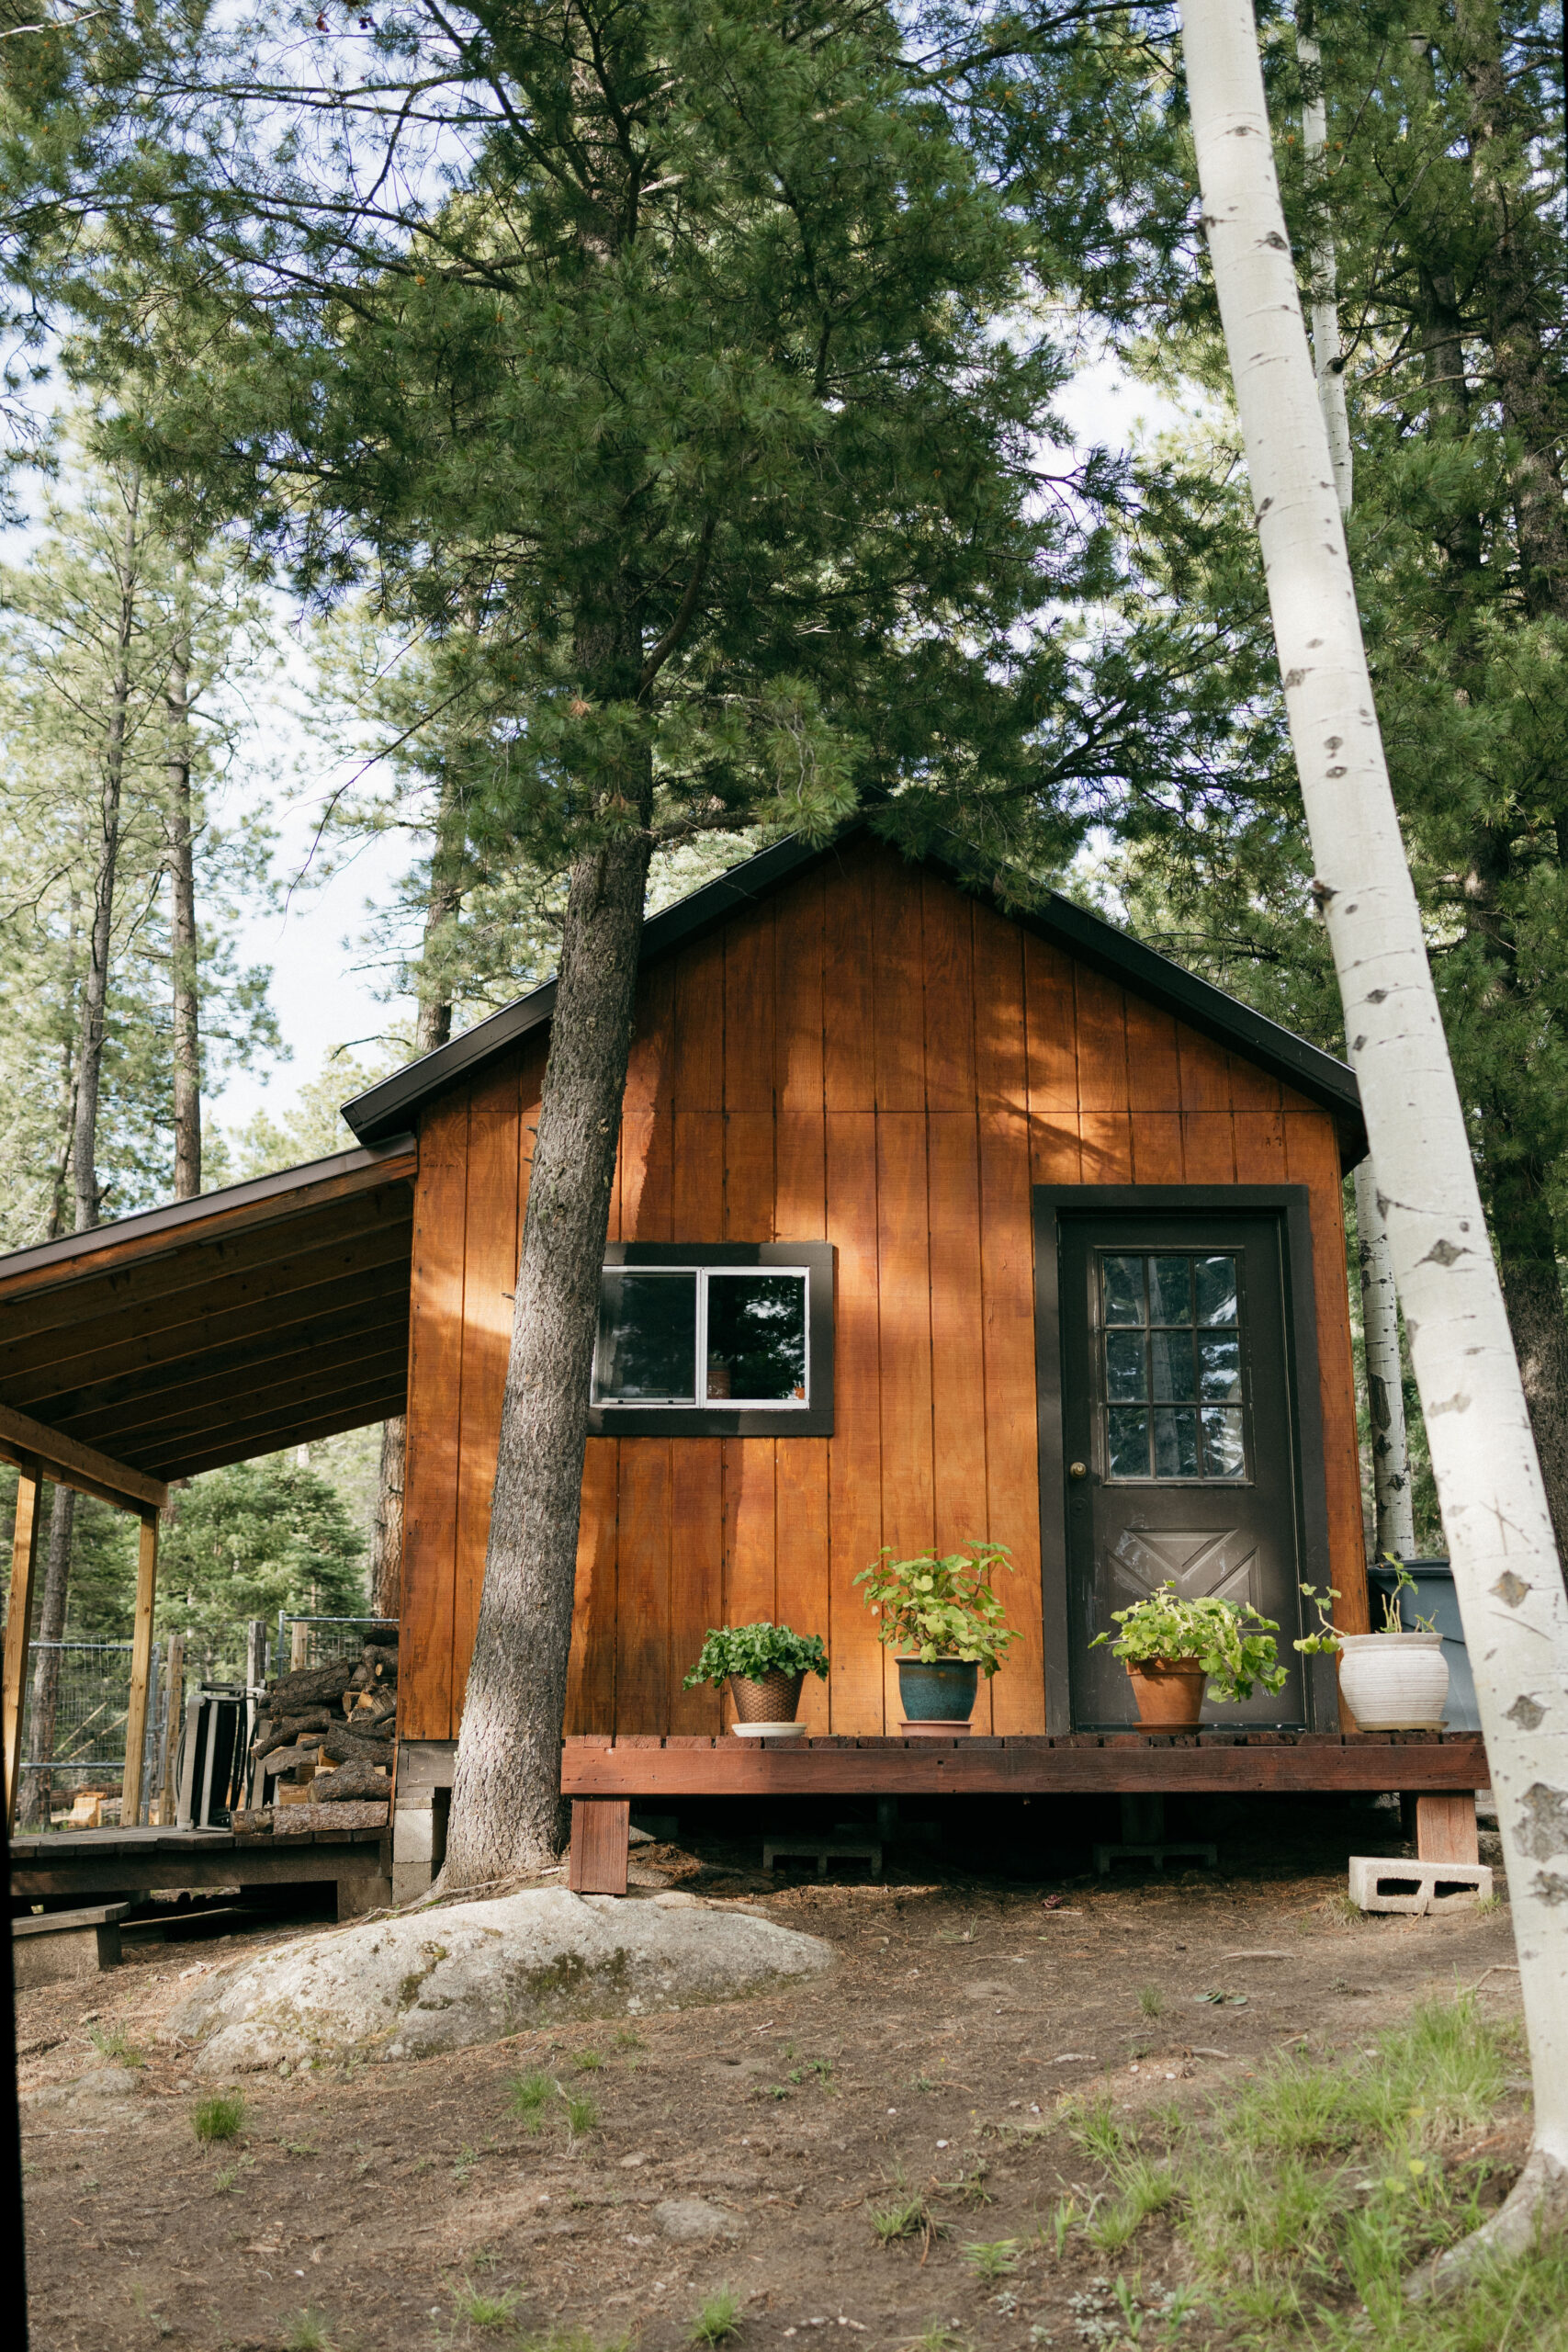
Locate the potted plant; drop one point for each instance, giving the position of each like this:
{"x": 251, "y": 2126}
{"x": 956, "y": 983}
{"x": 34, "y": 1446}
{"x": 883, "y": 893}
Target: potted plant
{"x": 1395, "y": 1679}
{"x": 946, "y": 1624}
{"x": 764, "y": 1665}
{"x": 1173, "y": 1647}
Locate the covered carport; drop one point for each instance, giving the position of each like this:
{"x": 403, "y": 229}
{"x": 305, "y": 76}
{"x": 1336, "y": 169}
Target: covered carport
{"x": 233, "y": 1325}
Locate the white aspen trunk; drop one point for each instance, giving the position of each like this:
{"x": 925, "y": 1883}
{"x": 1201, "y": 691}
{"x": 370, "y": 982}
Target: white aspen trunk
{"x": 1328, "y": 361}
{"x": 1392, "y": 1502}
{"x": 1509, "y": 1585}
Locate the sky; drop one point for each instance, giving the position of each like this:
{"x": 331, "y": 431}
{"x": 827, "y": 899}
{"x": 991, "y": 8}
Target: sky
{"x": 322, "y": 995}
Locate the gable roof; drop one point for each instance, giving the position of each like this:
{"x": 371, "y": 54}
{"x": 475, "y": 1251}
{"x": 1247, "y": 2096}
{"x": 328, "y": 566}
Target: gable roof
{"x": 393, "y": 1106}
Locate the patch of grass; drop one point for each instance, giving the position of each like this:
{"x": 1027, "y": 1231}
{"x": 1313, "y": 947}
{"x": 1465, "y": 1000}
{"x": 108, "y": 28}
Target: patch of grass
{"x": 1092, "y": 2127}
{"x": 588, "y": 2061}
{"x": 937, "y": 2336}
{"x": 225, "y": 2182}
{"x": 1151, "y": 2000}
{"x": 991, "y": 2258}
{"x": 718, "y": 2318}
{"x": 893, "y": 2222}
{"x": 463, "y": 2164}
{"x": 311, "y": 2331}
{"x": 627, "y": 2040}
{"x": 299, "y": 2148}
{"x": 1143, "y": 2187}
{"x": 1059, "y": 2228}
{"x": 481, "y": 2308}
{"x": 582, "y": 2113}
{"x": 115, "y": 2043}
{"x": 217, "y": 2118}
{"x": 527, "y": 2097}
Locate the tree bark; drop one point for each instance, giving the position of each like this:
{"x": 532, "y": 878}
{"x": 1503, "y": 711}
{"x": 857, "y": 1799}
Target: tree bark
{"x": 94, "y": 993}
{"x": 1327, "y": 357}
{"x": 1493, "y": 1501}
{"x": 184, "y": 947}
{"x": 505, "y": 1817}
{"x": 43, "y": 1705}
{"x": 1394, "y": 1505}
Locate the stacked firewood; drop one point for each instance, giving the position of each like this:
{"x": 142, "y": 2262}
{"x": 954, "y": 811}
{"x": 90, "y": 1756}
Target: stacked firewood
{"x": 332, "y": 1727}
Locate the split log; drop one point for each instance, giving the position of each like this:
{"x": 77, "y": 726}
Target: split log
{"x": 301, "y": 1820}
{"x": 352, "y": 1779}
{"x": 310, "y": 1686}
{"x": 347, "y": 1747}
{"x": 253, "y": 1821}
{"x": 383, "y": 1637}
{"x": 288, "y": 1759}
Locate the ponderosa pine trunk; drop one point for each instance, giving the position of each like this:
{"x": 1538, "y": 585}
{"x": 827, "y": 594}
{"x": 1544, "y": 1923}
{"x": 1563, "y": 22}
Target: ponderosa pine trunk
{"x": 1490, "y": 1487}
{"x": 43, "y": 1700}
{"x": 506, "y": 1809}
{"x": 183, "y": 949}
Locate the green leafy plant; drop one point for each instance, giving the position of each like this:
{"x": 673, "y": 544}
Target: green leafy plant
{"x": 718, "y": 2319}
{"x": 893, "y": 2222}
{"x": 1326, "y": 1641}
{"x": 1403, "y": 1582}
{"x": 219, "y": 2118}
{"x": 991, "y": 2258}
{"x": 484, "y": 2309}
{"x": 1233, "y": 1643}
{"x": 754, "y": 1652}
{"x": 931, "y": 1607}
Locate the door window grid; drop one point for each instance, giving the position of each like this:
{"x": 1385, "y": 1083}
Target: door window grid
{"x": 1171, "y": 1338}
{"x": 666, "y": 1338}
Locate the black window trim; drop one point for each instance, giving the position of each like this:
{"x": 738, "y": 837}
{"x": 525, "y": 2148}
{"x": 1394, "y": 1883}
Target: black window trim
{"x": 814, "y": 1419}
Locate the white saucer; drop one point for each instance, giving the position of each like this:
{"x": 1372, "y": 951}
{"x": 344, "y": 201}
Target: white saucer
{"x": 769, "y": 1731}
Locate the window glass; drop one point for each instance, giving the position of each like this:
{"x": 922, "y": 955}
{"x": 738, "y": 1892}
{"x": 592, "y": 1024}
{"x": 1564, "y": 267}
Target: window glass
{"x": 756, "y": 1352}
{"x": 648, "y": 1338}
{"x": 1172, "y": 1375}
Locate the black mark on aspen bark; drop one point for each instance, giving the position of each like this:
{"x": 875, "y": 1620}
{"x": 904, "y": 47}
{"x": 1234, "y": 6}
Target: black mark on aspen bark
{"x": 1510, "y": 1588}
{"x": 1376, "y": 996}
{"x": 1542, "y": 1825}
{"x": 1550, "y": 1887}
{"x": 1444, "y": 1253}
{"x": 1527, "y": 1712}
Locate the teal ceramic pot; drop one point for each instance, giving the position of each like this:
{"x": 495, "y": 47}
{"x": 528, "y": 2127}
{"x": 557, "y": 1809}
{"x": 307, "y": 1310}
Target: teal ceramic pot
{"x": 942, "y": 1692}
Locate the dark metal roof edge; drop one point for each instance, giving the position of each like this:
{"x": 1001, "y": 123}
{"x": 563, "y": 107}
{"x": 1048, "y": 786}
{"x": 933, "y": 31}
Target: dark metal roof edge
{"x": 152, "y": 1223}
{"x": 1059, "y": 920}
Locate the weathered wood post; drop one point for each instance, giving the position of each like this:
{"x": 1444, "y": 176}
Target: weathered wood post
{"x": 141, "y": 1666}
{"x": 18, "y": 1623}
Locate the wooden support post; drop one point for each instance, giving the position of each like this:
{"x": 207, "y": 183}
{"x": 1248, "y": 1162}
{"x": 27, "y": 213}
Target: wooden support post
{"x": 173, "y": 1704}
{"x": 141, "y": 1666}
{"x": 601, "y": 1840}
{"x": 18, "y": 1624}
{"x": 1445, "y": 1828}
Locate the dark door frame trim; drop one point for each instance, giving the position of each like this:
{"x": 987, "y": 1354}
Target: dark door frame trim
{"x": 1292, "y": 1203}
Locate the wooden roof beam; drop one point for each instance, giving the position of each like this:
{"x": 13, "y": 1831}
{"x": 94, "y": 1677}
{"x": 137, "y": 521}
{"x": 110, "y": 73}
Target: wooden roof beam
{"x": 71, "y": 1464}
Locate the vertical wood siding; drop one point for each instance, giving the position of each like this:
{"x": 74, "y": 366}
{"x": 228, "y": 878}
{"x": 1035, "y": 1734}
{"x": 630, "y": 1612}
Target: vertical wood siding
{"x": 871, "y": 1058}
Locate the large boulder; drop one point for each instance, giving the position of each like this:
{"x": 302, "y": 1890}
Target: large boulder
{"x": 444, "y": 1978}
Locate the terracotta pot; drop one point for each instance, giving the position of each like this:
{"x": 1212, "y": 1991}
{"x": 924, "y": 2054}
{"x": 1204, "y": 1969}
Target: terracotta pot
{"x": 774, "y": 1699}
{"x": 1395, "y": 1681}
{"x": 1169, "y": 1692}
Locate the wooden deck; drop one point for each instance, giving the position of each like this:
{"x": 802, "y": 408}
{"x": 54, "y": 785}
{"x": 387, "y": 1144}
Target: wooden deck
{"x": 131, "y": 1861}
{"x": 602, "y": 1776}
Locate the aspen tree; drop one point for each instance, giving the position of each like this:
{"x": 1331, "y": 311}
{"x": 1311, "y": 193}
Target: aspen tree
{"x": 1493, "y": 1500}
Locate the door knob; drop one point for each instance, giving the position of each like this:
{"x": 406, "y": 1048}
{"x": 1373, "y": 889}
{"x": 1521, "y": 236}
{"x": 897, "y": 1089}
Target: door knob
{"x": 1078, "y": 1469}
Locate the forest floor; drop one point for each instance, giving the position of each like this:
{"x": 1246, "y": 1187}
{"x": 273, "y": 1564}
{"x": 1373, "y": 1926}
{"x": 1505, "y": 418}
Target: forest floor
{"x": 1003, "y": 2119}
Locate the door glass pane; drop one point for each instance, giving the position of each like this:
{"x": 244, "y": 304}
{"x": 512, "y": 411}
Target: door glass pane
{"x": 1219, "y": 1366}
{"x": 1170, "y": 1290}
{"x": 1125, "y": 1378}
{"x": 1172, "y": 1353}
{"x": 1124, "y": 1290}
{"x": 757, "y": 1338}
{"x": 1172, "y": 1390}
{"x": 1224, "y": 1454}
{"x": 1176, "y": 1442}
{"x": 647, "y": 1339}
{"x": 1216, "y": 1290}
{"x": 1129, "y": 1441}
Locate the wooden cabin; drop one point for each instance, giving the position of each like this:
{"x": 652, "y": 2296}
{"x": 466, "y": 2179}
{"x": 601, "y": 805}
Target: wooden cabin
{"x": 1046, "y": 1234}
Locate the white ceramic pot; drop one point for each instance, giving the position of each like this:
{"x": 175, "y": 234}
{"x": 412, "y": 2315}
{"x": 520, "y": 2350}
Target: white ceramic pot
{"x": 1395, "y": 1681}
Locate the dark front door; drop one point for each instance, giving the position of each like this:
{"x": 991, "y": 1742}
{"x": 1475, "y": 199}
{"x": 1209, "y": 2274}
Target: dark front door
{"x": 1178, "y": 1438}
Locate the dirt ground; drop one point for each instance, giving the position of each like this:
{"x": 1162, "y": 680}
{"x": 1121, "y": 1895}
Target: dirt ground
{"x": 968, "y": 2011}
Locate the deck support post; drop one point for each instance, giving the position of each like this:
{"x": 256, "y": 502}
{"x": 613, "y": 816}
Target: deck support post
{"x": 1445, "y": 1828}
{"x": 18, "y": 1624}
{"x": 141, "y": 1669}
{"x": 600, "y": 1842}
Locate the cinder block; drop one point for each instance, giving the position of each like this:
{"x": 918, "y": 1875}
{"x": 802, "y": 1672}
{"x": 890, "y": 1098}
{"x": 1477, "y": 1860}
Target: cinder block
{"x": 410, "y": 1881}
{"x": 414, "y": 1835}
{"x": 1415, "y": 1888}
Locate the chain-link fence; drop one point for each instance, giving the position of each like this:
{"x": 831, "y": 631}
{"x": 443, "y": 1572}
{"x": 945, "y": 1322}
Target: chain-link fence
{"x": 316, "y": 1641}
{"x": 74, "y": 1705}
